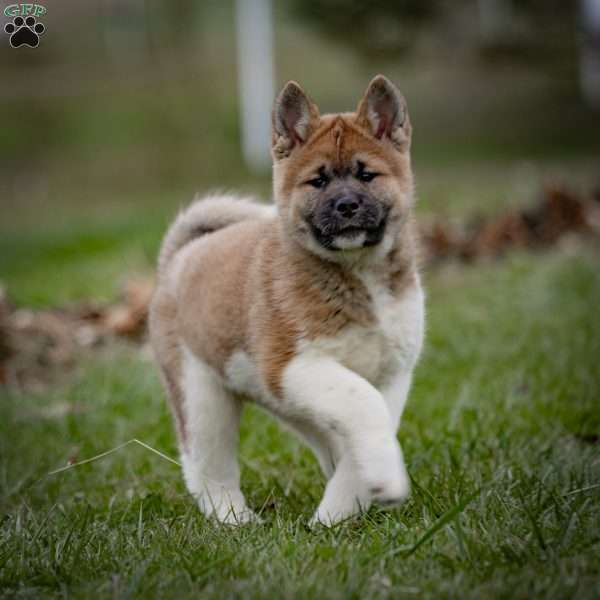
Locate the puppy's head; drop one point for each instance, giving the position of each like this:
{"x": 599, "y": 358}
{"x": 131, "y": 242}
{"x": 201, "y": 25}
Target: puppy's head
{"x": 343, "y": 182}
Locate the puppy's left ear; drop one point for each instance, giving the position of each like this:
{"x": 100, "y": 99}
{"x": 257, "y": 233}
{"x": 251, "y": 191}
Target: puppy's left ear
{"x": 384, "y": 113}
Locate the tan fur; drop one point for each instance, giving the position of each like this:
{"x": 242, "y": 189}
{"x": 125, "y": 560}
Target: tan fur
{"x": 233, "y": 279}
{"x": 202, "y": 217}
{"x": 165, "y": 339}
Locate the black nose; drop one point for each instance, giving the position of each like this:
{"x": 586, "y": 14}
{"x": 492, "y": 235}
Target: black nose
{"x": 346, "y": 206}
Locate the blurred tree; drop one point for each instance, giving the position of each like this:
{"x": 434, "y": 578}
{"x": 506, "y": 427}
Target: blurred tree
{"x": 558, "y": 35}
{"x": 544, "y": 30}
{"x": 512, "y": 27}
{"x": 373, "y": 27}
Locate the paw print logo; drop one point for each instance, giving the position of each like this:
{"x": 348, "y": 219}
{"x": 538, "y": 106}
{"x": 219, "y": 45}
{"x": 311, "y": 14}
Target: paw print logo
{"x": 24, "y": 32}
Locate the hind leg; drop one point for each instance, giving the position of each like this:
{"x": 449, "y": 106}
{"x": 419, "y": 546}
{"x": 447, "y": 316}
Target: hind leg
{"x": 324, "y": 447}
{"x": 396, "y": 394}
{"x": 209, "y": 454}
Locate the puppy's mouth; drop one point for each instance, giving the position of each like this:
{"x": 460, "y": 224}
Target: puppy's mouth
{"x": 349, "y": 237}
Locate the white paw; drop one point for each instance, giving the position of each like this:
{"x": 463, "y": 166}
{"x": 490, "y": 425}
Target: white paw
{"x": 385, "y": 476}
{"x": 391, "y": 492}
{"x": 227, "y": 507}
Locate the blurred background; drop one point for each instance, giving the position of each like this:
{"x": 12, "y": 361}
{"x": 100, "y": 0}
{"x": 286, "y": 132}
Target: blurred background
{"x": 127, "y": 108}
{"x": 124, "y": 111}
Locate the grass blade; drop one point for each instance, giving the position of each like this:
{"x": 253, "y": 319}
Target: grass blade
{"x": 440, "y": 523}
{"x": 112, "y": 451}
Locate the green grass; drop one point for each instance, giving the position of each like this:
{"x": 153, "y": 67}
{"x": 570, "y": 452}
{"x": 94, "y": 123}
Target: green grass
{"x": 498, "y": 436}
{"x": 78, "y": 261}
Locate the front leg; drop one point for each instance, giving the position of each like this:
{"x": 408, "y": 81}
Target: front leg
{"x": 353, "y": 415}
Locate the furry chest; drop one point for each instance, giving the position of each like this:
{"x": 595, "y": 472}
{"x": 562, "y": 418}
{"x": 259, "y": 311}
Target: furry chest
{"x": 364, "y": 350}
{"x": 389, "y": 346}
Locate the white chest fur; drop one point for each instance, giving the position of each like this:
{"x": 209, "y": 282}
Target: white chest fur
{"x": 377, "y": 353}
{"x": 389, "y": 346}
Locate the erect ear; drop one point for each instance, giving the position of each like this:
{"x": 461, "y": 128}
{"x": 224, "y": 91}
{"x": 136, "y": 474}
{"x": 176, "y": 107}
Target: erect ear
{"x": 295, "y": 118}
{"x": 383, "y": 112}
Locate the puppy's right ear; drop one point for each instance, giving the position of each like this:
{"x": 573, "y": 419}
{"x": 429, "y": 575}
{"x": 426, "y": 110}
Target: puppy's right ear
{"x": 295, "y": 118}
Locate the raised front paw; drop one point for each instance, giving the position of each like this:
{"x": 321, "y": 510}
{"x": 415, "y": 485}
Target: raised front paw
{"x": 384, "y": 475}
{"x": 392, "y": 491}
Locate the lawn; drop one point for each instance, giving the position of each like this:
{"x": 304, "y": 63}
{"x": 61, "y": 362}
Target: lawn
{"x": 501, "y": 432}
{"x": 500, "y": 436}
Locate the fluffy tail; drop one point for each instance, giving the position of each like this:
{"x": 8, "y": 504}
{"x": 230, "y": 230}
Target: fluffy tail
{"x": 204, "y": 216}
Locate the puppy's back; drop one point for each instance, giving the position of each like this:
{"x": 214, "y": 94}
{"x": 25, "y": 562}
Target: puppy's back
{"x": 214, "y": 291}
{"x": 207, "y": 215}
{"x": 201, "y": 299}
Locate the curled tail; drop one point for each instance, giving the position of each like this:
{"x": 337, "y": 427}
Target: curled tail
{"x": 204, "y": 216}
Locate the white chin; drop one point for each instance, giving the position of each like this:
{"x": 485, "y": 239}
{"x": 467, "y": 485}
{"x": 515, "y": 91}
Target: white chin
{"x": 349, "y": 242}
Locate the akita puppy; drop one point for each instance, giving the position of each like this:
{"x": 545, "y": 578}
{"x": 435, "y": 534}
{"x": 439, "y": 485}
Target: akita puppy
{"x": 312, "y": 308}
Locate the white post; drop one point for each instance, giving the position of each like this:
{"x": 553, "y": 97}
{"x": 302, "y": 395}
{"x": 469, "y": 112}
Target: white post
{"x": 589, "y": 53}
{"x": 494, "y": 19}
{"x": 256, "y": 79}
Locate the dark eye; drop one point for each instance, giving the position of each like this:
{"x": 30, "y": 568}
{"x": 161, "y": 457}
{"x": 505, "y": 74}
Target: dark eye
{"x": 319, "y": 182}
{"x": 363, "y": 175}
